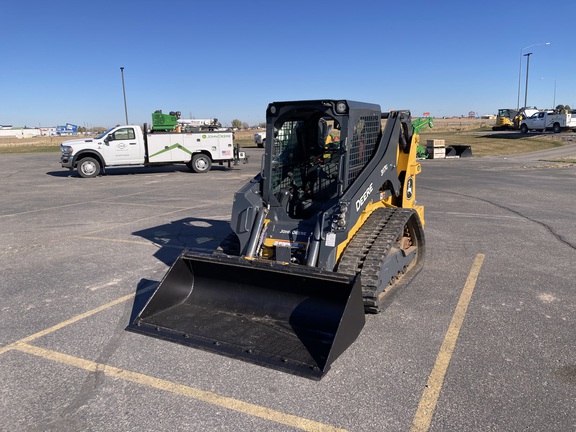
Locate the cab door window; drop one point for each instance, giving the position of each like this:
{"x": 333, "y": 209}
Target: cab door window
{"x": 124, "y": 134}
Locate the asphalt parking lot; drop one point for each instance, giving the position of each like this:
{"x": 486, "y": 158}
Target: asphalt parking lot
{"x": 484, "y": 339}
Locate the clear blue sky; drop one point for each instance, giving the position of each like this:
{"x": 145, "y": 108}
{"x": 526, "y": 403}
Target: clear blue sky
{"x": 60, "y": 60}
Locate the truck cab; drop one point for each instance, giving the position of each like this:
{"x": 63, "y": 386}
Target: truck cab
{"x": 120, "y": 145}
{"x": 123, "y": 145}
{"x": 536, "y": 121}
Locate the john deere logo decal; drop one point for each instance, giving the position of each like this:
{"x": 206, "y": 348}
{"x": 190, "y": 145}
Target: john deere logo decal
{"x": 172, "y": 147}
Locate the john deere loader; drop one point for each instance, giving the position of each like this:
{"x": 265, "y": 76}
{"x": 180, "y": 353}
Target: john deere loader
{"x": 327, "y": 231}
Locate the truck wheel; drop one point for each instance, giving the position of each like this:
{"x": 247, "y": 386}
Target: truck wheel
{"x": 524, "y": 129}
{"x": 200, "y": 163}
{"x": 88, "y": 167}
{"x": 556, "y": 128}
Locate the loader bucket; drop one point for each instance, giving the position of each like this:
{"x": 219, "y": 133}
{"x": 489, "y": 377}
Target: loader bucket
{"x": 463, "y": 150}
{"x": 292, "y": 318}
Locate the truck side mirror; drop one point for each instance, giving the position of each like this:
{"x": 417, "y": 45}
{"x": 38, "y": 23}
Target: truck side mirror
{"x": 109, "y": 138}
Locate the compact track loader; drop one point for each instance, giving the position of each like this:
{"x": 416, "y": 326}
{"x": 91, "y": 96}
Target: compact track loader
{"x": 328, "y": 230}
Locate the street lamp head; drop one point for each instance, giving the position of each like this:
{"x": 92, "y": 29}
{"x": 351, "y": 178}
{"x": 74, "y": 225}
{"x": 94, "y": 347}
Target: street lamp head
{"x": 533, "y": 45}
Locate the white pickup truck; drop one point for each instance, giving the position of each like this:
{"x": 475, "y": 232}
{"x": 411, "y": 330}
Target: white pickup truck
{"x": 128, "y": 145}
{"x": 548, "y": 120}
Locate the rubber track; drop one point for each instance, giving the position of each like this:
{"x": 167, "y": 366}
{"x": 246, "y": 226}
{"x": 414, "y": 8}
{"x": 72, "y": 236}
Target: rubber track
{"x": 366, "y": 252}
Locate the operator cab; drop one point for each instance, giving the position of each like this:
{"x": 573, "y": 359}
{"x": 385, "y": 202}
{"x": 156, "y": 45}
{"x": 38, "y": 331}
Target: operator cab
{"x": 305, "y": 162}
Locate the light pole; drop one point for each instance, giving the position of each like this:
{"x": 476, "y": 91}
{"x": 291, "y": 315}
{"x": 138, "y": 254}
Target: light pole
{"x": 520, "y": 68}
{"x": 124, "y": 92}
{"x": 527, "y": 55}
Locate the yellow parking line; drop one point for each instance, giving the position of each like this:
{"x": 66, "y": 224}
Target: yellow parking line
{"x": 73, "y": 320}
{"x": 141, "y": 242}
{"x": 179, "y": 389}
{"x": 431, "y": 393}
{"x": 113, "y": 240}
{"x": 190, "y": 392}
{"x": 104, "y": 200}
{"x": 421, "y": 421}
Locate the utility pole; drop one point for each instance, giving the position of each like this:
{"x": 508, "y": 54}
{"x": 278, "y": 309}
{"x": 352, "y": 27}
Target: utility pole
{"x": 527, "y": 55}
{"x": 124, "y": 92}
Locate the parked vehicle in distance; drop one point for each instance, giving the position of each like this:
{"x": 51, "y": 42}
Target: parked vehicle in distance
{"x": 260, "y": 139}
{"x": 549, "y": 120}
{"x": 510, "y": 119}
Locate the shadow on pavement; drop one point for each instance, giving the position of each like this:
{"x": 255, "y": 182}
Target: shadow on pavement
{"x": 194, "y": 234}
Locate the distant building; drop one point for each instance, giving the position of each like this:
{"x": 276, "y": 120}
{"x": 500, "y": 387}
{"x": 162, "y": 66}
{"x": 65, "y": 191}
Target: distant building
{"x": 18, "y": 132}
{"x": 10, "y": 131}
{"x": 69, "y": 129}
{"x": 47, "y": 131}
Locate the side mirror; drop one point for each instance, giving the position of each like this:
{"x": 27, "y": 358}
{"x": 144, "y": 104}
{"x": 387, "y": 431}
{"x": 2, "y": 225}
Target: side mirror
{"x": 109, "y": 138}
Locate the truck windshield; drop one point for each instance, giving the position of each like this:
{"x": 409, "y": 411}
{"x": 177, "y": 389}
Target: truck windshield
{"x": 102, "y": 135}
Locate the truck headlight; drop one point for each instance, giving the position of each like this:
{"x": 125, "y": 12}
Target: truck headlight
{"x": 66, "y": 149}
